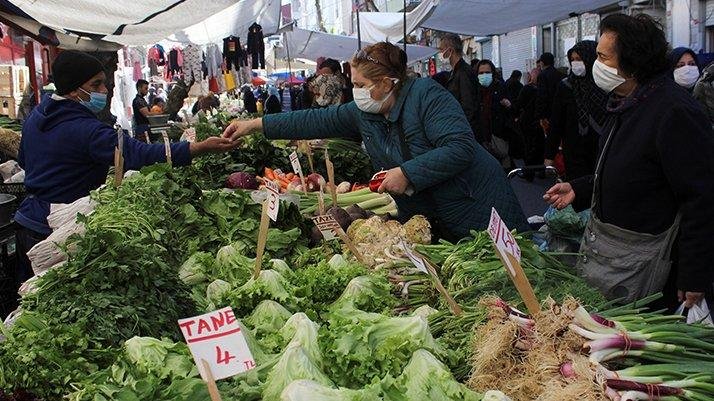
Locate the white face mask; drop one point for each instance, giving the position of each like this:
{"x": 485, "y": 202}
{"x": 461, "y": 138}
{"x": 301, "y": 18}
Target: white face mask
{"x": 364, "y": 101}
{"x": 606, "y": 77}
{"x": 578, "y": 68}
{"x": 686, "y": 76}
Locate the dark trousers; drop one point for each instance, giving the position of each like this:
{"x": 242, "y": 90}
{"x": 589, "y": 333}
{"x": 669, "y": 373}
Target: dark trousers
{"x": 256, "y": 58}
{"x": 534, "y": 146}
{"x": 25, "y": 240}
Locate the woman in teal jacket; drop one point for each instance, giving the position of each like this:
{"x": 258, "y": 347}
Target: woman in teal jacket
{"x": 416, "y": 131}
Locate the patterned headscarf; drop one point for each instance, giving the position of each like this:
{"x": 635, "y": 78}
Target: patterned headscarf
{"x": 591, "y": 101}
{"x": 328, "y": 90}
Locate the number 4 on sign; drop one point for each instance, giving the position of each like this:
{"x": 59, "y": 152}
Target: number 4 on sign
{"x": 223, "y": 357}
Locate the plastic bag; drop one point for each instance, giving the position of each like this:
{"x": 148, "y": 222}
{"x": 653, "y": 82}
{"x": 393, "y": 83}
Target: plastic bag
{"x": 16, "y": 178}
{"x": 697, "y": 313}
{"x": 8, "y": 169}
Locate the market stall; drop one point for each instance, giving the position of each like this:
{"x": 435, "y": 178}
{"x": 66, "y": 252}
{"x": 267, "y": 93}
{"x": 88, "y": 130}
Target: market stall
{"x": 381, "y": 313}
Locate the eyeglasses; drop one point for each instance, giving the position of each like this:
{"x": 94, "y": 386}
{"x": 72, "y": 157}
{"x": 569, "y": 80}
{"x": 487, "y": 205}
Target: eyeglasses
{"x": 362, "y": 55}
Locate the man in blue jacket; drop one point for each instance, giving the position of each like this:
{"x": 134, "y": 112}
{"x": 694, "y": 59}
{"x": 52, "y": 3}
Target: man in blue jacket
{"x": 66, "y": 151}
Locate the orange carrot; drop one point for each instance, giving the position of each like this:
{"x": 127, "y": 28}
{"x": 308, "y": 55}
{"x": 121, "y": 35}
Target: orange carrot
{"x": 290, "y": 176}
{"x": 269, "y": 173}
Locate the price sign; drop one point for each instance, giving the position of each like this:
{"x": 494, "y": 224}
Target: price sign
{"x": 295, "y": 162}
{"x": 273, "y": 199}
{"x": 503, "y": 239}
{"x": 510, "y": 254}
{"x": 423, "y": 265}
{"x": 297, "y": 169}
{"x": 167, "y": 148}
{"x": 217, "y": 339}
{"x": 327, "y": 225}
{"x": 189, "y": 134}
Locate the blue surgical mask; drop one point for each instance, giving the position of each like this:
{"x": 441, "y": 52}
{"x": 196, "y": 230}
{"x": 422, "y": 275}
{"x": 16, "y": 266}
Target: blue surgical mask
{"x": 97, "y": 101}
{"x": 485, "y": 79}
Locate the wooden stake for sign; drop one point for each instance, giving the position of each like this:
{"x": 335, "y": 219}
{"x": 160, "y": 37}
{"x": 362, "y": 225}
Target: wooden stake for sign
{"x": 211, "y": 383}
{"x": 453, "y": 306}
{"x": 119, "y": 158}
{"x": 320, "y": 202}
{"x": 262, "y": 239}
{"x": 520, "y": 280}
{"x": 331, "y": 178}
{"x": 350, "y": 245}
{"x": 308, "y": 150}
{"x": 167, "y": 148}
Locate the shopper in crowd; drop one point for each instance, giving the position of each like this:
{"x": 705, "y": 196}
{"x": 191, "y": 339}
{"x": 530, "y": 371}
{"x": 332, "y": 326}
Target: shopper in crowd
{"x": 685, "y": 67}
{"x": 442, "y": 77}
{"x": 157, "y": 106}
{"x": 579, "y": 115}
{"x": 474, "y": 65}
{"x": 249, "y": 103}
{"x": 527, "y": 121}
{"x": 142, "y": 111}
{"x": 66, "y": 151}
{"x": 347, "y": 93}
{"x": 548, "y": 80}
{"x": 332, "y": 67}
{"x": 461, "y": 82}
{"x": 273, "y": 104}
{"x": 416, "y": 131}
{"x": 492, "y": 110}
{"x": 655, "y": 178}
{"x": 513, "y": 85}
{"x": 704, "y": 91}
{"x": 327, "y": 90}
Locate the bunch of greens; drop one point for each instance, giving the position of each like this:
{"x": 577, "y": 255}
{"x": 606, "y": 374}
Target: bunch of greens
{"x": 257, "y": 152}
{"x": 146, "y": 369}
{"x": 352, "y": 163}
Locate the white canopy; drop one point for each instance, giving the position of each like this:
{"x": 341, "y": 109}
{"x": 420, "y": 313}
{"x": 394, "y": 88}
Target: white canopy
{"x": 131, "y": 22}
{"x": 312, "y": 44}
{"x": 490, "y": 17}
{"x": 379, "y": 27}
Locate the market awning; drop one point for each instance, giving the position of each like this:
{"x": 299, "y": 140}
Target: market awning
{"x": 131, "y": 22}
{"x": 383, "y": 26}
{"x": 491, "y": 17}
{"x": 312, "y": 44}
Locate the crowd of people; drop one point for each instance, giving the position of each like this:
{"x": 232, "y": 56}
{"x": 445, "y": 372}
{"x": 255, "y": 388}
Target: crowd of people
{"x": 629, "y": 120}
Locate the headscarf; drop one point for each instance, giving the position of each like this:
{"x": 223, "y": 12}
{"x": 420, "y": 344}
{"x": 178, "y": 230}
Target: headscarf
{"x": 328, "y": 90}
{"x": 533, "y": 76}
{"x": 591, "y": 101}
{"x": 677, "y": 53}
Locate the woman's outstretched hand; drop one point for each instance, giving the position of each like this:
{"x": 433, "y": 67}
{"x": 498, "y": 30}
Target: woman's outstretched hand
{"x": 241, "y": 128}
{"x": 560, "y": 195}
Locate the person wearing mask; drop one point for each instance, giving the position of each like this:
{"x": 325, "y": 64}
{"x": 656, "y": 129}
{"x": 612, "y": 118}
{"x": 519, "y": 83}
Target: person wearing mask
{"x": 653, "y": 187}
{"x": 579, "y": 114}
{"x": 415, "y": 130}
{"x": 685, "y": 67}
{"x": 529, "y": 125}
{"x": 141, "y": 111}
{"x": 66, "y": 151}
{"x": 548, "y": 81}
{"x": 461, "y": 82}
{"x": 492, "y": 110}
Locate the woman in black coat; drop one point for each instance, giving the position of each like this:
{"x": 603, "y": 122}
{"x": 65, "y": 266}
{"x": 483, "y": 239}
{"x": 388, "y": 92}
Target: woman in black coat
{"x": 579, "y": 113}
{"x": 527, "y": 122}
{"x": 654, "y": 183}
{"x": 491, "y": 113}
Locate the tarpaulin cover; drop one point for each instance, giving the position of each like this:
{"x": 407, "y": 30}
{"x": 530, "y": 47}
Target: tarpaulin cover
{"x": 490, "y": 17}
{"x": 131, "y": 22}
{"x": 378, "y": 27}
{"x": 312, "y": 44}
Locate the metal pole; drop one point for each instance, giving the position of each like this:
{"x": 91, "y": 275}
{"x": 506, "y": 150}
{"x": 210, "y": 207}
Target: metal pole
{"x": 405, "y": 26}
{"x": 359, "y": 32}
{"x": 287, "y": 49}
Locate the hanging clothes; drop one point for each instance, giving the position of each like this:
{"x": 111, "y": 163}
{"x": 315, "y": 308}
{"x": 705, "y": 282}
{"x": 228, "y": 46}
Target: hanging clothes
{"x": 175, "y": 62}
{"x": 232, "y": 51}
{"x": 214, "y": 59}
{"x": 156, "y": 58}
{"x": 256, "y": 47}
{"x": 136, "y": 61}
{"x": 192, "y": 58}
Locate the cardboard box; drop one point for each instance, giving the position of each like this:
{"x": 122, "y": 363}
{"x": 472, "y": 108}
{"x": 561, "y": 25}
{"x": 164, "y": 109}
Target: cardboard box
{"x": 13, "y": 80}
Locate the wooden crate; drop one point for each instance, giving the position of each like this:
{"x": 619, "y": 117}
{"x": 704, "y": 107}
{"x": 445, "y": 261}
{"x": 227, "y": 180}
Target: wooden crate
{"x": 9, "y": 106}
{"x": 13, "y": 80}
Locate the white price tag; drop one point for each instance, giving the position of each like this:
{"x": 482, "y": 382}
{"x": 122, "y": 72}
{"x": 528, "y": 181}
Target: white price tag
{"x": 327, "y": 225}
{"x": 273, "y": 199}
{"x": 295, "y": 162}
{"x": 504, "y": 241}
{"x": 418, "y": 261}
{"x": 217, "y": 338}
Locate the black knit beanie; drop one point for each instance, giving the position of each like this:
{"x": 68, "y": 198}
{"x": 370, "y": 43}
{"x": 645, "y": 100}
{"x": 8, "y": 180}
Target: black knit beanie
{"x": 73, "y": 68}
